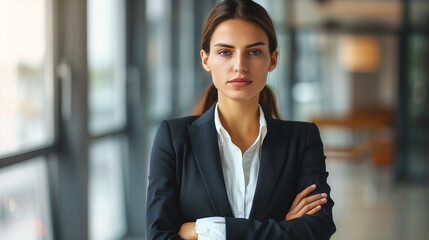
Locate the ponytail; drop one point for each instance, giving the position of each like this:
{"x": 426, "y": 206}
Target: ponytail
{"x": 266, "y": 100}
{"x": 208, "y": 98}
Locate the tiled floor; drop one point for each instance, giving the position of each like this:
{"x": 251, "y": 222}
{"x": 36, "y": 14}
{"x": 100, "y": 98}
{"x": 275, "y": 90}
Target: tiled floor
{"x": 370, "y": 205}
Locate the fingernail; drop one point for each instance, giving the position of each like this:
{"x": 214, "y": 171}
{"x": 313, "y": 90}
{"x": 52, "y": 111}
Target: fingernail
{"x": 318, "y": 207}
{"x": 324, "y": 195}
{"x": 323, "y": 200}
{"x": 313, "y": 186}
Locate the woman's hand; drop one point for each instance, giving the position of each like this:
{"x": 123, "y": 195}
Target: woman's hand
{"x": 187, "y": 231}
{"x": 306, "y": 205}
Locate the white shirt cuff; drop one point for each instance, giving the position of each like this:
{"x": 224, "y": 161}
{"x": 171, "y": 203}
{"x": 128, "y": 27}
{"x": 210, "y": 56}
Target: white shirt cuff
{"x": 211, "y": 228}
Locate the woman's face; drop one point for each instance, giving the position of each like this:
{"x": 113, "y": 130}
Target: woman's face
{"x": 239, "y": 59}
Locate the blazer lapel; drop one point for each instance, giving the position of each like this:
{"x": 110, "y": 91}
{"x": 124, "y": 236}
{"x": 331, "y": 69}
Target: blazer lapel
{"x": 273, "y": 158}
{"x": 205, "y": 146}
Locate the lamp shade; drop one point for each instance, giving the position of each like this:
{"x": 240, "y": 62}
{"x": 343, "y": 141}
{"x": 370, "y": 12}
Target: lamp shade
{"x": 360, "y": 54}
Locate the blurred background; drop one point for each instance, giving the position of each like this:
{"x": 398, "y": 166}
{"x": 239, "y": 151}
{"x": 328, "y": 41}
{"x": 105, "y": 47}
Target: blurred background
{"x": 85, "y": 83}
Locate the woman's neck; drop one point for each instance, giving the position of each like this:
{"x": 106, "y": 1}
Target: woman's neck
{"x": 240, "y": 119}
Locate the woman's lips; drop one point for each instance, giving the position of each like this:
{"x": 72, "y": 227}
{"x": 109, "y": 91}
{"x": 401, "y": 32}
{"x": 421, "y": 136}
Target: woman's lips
{"x": 240, "y": 82}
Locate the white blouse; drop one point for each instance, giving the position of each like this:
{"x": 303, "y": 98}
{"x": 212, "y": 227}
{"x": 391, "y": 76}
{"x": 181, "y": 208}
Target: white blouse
{"x": 240, "y": 172}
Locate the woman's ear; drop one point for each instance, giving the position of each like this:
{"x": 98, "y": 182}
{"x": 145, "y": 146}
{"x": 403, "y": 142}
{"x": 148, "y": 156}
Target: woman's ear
{"x": 273, "y": 63}
{"x": 204, "y": 60}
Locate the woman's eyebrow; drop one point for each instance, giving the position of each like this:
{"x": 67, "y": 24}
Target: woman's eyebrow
{"x": 255, "y": 44}
{"x": 247, "y": 46}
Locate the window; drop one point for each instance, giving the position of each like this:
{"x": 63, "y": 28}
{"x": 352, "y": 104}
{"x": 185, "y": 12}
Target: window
{"x": 106, "y": 200}
{"x": 159, "y": 58}
{"x": 24, "y": 201}
{"x": 107, "y": 117}
{"x": 26, "y": 118}
{"x": 106, "y": 60}
{"x": 26, "y": 106}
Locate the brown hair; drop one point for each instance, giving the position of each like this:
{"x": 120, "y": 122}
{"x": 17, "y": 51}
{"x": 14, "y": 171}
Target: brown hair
{"x": 246, "y": 10}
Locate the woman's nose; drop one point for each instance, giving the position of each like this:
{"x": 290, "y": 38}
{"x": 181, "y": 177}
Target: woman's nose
{"x": 240, "y": 64}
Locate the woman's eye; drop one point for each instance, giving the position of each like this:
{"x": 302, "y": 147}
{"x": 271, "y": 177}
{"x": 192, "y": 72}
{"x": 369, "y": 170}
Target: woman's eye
{"x": 255, "y": 52}
{"x": 224, "y": 53}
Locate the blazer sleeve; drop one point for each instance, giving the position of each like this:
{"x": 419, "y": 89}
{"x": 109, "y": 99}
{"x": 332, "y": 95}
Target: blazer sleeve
{"x": 163, "y": 219}
{"x": 317, "y": 226}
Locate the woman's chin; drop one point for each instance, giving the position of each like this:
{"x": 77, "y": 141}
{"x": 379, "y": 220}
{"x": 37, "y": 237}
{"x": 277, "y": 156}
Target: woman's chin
{"x": 240, "y": 97}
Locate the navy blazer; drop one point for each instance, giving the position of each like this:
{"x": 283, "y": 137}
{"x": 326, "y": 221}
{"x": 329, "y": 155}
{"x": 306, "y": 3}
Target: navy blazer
{"x": 186, "y": 181}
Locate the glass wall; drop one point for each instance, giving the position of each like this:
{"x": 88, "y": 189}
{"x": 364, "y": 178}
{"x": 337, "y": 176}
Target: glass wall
{"x": 25, "y": 210}
{"x": 160, "y": 57}
{"x": 26, "y": 94}
{"x": 26, "y": 118}
{"x": 107, "y": 218}
{"x": 106, "y": 65}
{"x": 107, "y": 114}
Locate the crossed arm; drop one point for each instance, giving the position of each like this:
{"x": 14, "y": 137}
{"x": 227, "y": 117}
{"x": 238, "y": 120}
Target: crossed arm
{"x": 303, "y": 204}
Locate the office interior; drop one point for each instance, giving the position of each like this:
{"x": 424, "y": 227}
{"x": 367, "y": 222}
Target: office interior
{"x": 84, "y": 85}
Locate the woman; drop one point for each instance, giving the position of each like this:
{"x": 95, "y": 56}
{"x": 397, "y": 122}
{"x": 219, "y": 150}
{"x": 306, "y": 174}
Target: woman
{"x": 234, "y": 171}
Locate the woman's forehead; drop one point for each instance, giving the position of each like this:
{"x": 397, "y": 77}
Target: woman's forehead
{"x": 238, "y": 32}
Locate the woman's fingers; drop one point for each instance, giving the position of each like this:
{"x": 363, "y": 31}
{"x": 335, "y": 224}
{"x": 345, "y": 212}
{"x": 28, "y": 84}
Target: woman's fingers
{"x": 310, "y": 206}
{"x": 314, "y": 210}
{"x": 306, "y": 205}
{"x": 302, "y": 195}
{"x": 309, "y": 201}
